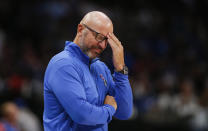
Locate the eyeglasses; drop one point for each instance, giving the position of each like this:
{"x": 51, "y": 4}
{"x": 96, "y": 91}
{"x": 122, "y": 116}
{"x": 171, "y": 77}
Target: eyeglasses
{"x": 98, "y": 36}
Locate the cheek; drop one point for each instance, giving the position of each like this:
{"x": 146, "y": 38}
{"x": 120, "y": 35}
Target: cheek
{"x": 91, "y": 43}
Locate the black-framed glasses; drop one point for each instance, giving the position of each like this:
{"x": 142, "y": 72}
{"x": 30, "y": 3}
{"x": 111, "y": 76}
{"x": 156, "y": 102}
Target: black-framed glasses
{"x": 98, "y": 36}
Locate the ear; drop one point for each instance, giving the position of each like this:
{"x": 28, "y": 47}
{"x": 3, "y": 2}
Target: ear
{"x": 79, "y": 29}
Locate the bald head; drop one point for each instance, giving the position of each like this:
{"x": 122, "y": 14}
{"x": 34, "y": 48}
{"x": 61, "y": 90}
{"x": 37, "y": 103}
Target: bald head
{"x": 97, "y": 19}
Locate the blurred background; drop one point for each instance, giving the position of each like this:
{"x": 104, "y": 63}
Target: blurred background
{"x": 166, "y": 50}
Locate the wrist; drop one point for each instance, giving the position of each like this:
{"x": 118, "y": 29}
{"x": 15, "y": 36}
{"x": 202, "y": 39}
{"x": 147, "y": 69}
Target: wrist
{"x": 119, "y": 68}
{"x": 124, "y": 70}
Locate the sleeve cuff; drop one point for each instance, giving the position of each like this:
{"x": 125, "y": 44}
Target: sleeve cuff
{"x": 120, "y": 77}
{"x": 111, "y": 111}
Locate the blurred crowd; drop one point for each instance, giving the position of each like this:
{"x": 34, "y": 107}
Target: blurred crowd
{"x": 165, "y": 44}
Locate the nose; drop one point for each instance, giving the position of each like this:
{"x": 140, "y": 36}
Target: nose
{"x": 102, "y": 44}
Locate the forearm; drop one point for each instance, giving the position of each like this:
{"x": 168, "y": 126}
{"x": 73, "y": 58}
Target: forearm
{"x": 85, "y": 113}
{"x": 123, "y": 96}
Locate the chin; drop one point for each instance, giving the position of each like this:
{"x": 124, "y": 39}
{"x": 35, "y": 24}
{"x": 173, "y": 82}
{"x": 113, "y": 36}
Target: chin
{"x": 93, "y": 57}
{"x": 90, "y": 55}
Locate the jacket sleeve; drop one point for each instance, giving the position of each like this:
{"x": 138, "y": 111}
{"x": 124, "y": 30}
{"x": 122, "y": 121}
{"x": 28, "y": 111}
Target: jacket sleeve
{"x": 120, "y": 88}
{"x": 67, "y": 87}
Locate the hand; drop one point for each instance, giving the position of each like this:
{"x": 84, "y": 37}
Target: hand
{"x": 118, "y": 53}
{"x": 110, "y": 100}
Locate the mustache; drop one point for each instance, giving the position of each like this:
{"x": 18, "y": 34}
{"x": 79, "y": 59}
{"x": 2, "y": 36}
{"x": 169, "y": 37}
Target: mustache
{"x": 97, "y": 47}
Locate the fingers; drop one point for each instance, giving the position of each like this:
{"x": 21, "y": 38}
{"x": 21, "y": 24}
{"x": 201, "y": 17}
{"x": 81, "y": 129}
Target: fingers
{"x": 111, "y": 101}
{"x": 113, "y": 41}
{"x": 112, "y": 36}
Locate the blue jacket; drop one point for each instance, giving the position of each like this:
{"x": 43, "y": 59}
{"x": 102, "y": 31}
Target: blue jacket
{"x": 75, "y": 90}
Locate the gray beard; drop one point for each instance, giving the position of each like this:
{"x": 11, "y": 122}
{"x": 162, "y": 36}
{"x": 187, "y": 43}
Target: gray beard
{"x": 85, "y": 49}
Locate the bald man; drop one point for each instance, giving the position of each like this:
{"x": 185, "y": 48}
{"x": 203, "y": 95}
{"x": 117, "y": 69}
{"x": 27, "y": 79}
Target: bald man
{"x": 80, "y": 94}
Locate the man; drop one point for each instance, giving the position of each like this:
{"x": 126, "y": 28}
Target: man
{"x": 9, "y": 117}
{"x": 79, "y": 91}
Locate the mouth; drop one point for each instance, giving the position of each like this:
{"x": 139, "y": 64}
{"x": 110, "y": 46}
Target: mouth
{"x": 98, "y": 51}
{"x": 97, "y": 54}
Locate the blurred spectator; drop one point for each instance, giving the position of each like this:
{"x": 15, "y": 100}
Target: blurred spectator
{"x": 165, "y": 88}
{"x": 28, "y": 121}
{"x": 16, "y": 118}
{"x": 9, "y": 116}
{"x": 185, "y": 102}
{"x": 200, "y": 120}
{"x": 143, "y": 99}
{"x": 189, "y": 107}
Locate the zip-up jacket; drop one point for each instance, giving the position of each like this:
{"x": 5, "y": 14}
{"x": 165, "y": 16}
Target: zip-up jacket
{"x": 75, "y": 89}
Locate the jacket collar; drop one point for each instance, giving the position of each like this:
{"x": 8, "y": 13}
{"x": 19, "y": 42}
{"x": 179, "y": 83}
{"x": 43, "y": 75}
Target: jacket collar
{"x": 77, "y": 52}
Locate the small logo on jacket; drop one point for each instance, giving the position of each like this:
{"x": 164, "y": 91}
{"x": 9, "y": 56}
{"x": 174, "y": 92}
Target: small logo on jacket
{"x": 105, "y": 82}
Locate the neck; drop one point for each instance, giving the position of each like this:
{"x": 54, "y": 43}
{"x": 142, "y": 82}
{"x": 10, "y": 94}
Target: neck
{"x": 76, "y": 41}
